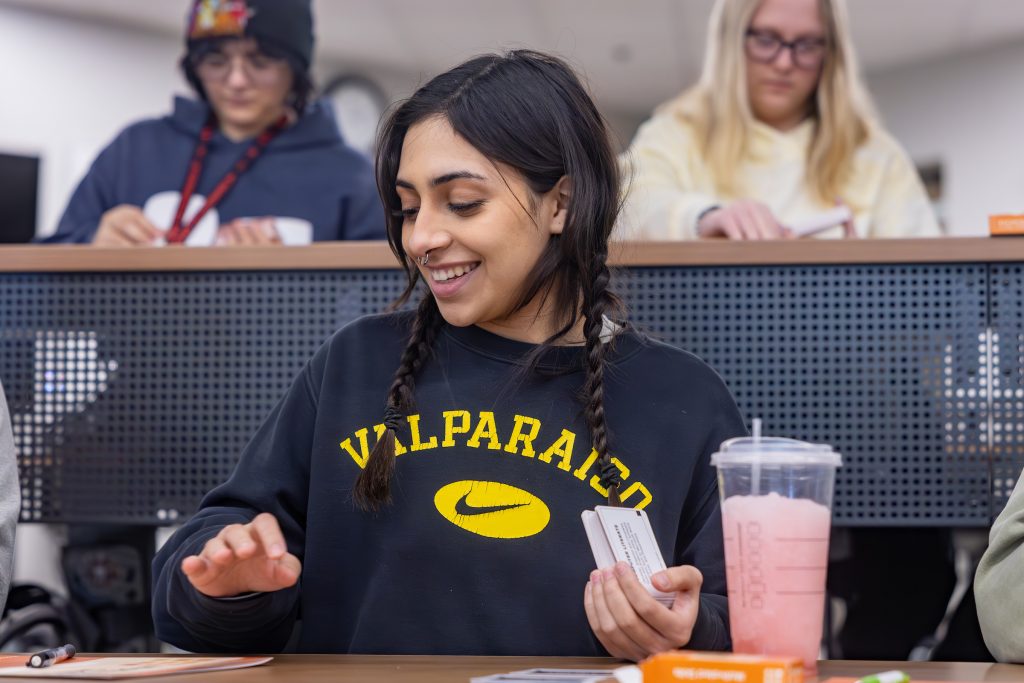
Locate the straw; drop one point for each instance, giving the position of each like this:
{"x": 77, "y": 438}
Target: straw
{"x": 755, "y": 475}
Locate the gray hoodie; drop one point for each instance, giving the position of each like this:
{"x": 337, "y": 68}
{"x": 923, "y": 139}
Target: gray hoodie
{"x": 997, "y": 585}
{"x": 10, "y": 499}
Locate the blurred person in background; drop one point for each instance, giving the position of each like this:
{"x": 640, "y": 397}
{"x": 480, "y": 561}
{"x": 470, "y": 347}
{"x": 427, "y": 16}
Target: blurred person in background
{"x": 250, "y": 162}
{"x": 997, "y": 584}
{"x": 10, "y": 499}
{"x": 778, "y": 132}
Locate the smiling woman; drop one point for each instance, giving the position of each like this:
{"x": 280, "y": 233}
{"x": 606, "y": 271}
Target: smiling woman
{"x": 426, "y": 473}
{"x": 479, "y": 229}
{"x": 776, "y": 134}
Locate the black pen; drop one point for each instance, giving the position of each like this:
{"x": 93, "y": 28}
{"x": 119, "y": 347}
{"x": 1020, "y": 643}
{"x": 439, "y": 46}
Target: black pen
{"x": 50, "y": 657}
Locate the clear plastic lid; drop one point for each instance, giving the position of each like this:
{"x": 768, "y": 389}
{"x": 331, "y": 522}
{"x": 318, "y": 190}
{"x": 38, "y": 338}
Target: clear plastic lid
{"x": 771, "y": 450}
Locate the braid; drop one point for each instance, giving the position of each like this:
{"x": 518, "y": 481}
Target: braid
{"x": 596, "y": 300}
{"x": 373, "y": 486}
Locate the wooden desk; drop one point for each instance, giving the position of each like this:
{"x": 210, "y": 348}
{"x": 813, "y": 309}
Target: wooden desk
{"x": 348, "y": 255}
{"x": 425, "y": 669}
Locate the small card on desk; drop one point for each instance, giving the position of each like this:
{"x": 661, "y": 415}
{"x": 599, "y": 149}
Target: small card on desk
{"x": 548, "y": 676}
{"x": 625, "y": 535}
{"x": 116, "y": 668}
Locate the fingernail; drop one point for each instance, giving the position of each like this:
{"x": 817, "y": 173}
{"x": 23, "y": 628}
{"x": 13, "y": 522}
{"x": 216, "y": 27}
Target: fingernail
{"x": 660, "y": 581}
{"x": 607, "y": 575}
{"x": 597, "y": 576}
{"x": 276, "y": 549}
{"x": 621, "y": 568}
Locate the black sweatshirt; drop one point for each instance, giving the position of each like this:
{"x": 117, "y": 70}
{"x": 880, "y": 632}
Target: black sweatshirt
{"x": 482, "y": 551}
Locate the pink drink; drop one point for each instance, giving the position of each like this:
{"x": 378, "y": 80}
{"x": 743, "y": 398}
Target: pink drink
{"x": 776, "y": 557}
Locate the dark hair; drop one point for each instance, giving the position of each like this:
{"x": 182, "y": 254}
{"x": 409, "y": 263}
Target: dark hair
{"x": 529, "y": 111}
{"x": 302, "y": 83}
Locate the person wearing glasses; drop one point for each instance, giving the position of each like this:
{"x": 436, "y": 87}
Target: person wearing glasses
{"x": 778, "y": 133}
{"x": 251, "y": 161}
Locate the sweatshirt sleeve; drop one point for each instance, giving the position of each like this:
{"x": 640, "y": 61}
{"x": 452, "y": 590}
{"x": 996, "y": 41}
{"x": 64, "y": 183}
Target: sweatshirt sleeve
{"x": 363, "y": 213}
{"x": 95, "y": 195}
{"x": 10, "y": 499}
{"x": 700, "y": 541}
{"x": 271, "y": 476}
{"x": 902, "y": 208}
{"x": 998, "y": 581}
{"x": 667, "y": 188}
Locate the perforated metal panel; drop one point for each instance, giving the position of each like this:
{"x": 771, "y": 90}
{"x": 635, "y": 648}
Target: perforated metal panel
{"x": 884, "y": 362}
{"x": 1007, "y": 403}
{"x": 133, "y": 393}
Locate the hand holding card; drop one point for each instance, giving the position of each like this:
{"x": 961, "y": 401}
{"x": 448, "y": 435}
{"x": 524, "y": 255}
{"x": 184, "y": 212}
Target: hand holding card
{"x": 625, "y": 535}
{"x": 631, "y": 617}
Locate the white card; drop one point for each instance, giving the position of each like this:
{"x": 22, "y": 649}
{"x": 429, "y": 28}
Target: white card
{"x": 821, "y": 221}
{"x": 294, "y": 232}
{"x": 625, "y": 535}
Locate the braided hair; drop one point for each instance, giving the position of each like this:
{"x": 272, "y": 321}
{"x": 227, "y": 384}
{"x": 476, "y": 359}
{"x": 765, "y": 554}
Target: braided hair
{"x": 530, "y": 112}
{"x": 373, "y": 488}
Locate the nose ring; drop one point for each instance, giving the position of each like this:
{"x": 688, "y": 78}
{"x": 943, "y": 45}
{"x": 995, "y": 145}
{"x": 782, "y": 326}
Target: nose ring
{"x": 422, "y": 260}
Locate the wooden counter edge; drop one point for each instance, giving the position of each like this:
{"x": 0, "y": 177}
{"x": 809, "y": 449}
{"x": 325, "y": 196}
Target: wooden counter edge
{"x": 377, "y": 255}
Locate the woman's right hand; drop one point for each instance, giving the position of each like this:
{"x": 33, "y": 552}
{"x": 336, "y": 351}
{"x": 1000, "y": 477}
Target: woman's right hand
{"x": 243, "y": 558}
{"x": 125, "y": 226}
{"x": 744, "y": 219}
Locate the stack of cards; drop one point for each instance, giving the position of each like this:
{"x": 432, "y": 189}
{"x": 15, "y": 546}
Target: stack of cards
{"x": 625, "y": 535}
{"x": 548, "y": 676}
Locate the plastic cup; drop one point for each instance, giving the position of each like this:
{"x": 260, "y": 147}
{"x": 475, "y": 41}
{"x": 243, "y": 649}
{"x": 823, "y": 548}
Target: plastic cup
{"x": 776, "y": 516}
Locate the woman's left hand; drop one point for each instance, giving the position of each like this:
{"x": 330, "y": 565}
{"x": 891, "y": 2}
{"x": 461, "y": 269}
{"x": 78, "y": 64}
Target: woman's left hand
{"x": 633, "y": 625}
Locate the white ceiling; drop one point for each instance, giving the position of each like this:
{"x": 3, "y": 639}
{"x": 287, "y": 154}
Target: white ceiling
{"x": 634, "y": 52}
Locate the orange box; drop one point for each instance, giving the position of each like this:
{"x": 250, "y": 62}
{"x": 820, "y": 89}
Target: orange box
{"x": 1006, "y": 224}
{"x": 721, "y": 667}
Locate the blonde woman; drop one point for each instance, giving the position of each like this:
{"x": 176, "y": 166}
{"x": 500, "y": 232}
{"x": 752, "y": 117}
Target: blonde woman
{"x": 777, "y": 132}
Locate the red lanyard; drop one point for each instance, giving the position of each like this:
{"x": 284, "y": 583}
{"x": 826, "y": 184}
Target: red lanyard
{"x": 179, "y": 232}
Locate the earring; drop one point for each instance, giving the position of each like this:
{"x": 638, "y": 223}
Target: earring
{"x": 422, "y": 260}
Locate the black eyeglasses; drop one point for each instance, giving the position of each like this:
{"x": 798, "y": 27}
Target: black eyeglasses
{"x": 764, "y": 47}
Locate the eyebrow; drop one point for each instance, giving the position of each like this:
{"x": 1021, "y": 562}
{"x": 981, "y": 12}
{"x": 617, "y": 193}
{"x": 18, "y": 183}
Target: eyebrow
{"x": 442, "y": 179}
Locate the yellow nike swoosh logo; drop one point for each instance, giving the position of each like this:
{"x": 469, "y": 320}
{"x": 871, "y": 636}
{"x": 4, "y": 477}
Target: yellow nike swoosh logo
{"x": 462, "y": 507}
{"x": 492, "y": 509}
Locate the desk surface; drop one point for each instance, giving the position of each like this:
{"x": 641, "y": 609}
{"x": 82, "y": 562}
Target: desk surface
{"x": 416, "y": 669}
{"x": 363, "y": 255}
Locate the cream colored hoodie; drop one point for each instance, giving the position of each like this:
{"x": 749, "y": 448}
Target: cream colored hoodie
{"x": 670, "y": 184}
{"x": 999, "y": 583}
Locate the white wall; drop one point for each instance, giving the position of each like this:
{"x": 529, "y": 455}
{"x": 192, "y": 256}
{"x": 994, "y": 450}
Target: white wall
{"x": 69, "y": 86}
{"x": 966, "y": 112}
